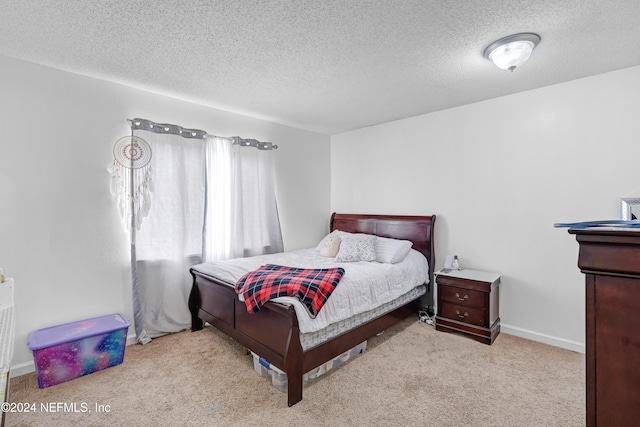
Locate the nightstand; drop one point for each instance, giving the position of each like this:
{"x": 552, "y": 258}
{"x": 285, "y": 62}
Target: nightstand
{"x": 468, "y": 303}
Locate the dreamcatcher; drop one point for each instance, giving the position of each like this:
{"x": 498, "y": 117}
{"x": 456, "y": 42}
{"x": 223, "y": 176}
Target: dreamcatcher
{"x": 131, "y": 179}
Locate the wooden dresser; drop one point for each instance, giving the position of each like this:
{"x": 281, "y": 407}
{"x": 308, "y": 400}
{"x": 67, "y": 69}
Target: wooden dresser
{"x": 468, "y": 303}
{"x": 610, "y": 259}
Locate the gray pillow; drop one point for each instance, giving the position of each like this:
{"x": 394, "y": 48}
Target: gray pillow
{"x": 357, "y": 247}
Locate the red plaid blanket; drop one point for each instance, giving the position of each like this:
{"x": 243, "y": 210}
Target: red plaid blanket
{"x": 311, "y": 286}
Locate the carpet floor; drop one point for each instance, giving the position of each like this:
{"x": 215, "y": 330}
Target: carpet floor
{"x": 410, "y": 375}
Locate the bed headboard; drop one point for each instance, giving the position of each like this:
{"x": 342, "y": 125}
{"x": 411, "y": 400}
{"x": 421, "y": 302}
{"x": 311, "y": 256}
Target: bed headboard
{"x": 418, "y": 229}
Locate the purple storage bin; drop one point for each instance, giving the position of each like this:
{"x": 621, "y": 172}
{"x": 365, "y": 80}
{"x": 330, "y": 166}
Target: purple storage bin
{"x": 64, "y": 352}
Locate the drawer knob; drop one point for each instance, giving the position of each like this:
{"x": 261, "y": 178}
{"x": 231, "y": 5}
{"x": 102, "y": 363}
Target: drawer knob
{"x": 463, "y": 298}
{"x": 462, "y": 316}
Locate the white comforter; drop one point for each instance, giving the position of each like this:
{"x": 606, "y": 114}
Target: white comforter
{"x": 364, "y": 286}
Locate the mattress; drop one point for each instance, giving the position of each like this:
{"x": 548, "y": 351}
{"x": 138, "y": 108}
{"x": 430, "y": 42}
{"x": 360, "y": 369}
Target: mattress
{"x": 364, "y": 287}
{"x": 312, "y": 339}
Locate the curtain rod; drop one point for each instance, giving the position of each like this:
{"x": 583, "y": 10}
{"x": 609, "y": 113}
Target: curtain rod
{"x": 148, "y": 125}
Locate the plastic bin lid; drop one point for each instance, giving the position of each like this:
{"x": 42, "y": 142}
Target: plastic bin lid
{"x": 73, "y": 331}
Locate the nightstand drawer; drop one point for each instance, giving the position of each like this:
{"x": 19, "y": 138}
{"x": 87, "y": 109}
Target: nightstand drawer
{"x": 464, "y": 314}
{"x": 464, "y": 297}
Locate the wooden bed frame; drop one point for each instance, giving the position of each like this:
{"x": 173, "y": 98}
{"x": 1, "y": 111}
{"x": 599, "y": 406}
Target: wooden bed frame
{"x": 273, "y": 332}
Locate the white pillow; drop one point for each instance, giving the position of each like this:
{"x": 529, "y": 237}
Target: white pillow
{"x": 330, "y": 247}
{"x": 392, "y": 250}
{"x": 335, "y": 233}
{"x": 357, "y": 247}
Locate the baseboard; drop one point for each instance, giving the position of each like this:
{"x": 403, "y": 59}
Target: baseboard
{"x": 131, "y": 339}
{"x": 22, "y": 369}
{"x": 543, "y": 338}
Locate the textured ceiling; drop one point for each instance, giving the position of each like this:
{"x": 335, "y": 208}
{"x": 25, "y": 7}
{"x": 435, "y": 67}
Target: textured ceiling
{"x": 327, "y": 65}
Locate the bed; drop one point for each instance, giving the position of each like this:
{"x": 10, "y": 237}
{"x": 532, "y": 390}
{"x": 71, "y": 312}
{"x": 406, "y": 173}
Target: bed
{"x": 274, "y": 331}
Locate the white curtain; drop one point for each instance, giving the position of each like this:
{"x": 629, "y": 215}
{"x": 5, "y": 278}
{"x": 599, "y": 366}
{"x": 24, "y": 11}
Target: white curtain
{"x": 255, "y": 227}
{"x": 213, "y": 198}
{"x": 242, "y": 215}
{"x": 170, "y": 237}
{"x": 217, "y": 236}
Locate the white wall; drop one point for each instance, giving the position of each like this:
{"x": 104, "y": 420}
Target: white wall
{"x": 60, "y": 234}
{"x": 499, "y": 174}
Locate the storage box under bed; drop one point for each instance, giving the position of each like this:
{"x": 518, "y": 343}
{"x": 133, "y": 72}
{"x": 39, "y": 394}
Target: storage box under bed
{"x": 279, "y": 378}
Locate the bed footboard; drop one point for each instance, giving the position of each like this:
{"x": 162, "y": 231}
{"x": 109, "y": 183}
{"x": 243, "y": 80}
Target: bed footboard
{"x": 272, "y": 332}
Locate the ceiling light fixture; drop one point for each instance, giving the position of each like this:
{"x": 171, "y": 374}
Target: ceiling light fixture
{"x": 512, "y": 51}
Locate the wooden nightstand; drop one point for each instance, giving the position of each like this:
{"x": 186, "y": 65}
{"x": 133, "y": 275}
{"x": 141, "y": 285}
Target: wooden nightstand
{"x": 468, "y": 303}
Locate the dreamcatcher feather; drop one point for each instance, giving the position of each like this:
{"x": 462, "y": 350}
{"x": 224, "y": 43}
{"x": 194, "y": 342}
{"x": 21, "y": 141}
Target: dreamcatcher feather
{"x": 131, "y": 181}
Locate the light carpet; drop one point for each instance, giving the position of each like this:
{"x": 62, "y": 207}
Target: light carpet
{"x": 410, "y": 375}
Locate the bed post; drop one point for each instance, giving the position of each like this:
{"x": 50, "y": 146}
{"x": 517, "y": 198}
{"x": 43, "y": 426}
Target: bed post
{"x": 194, "y": 303}
{"x": 293, "y": 362}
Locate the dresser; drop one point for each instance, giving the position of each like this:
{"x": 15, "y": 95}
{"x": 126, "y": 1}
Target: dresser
{"x": 610, "y": 260}
{"x": 468, "y": 303}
